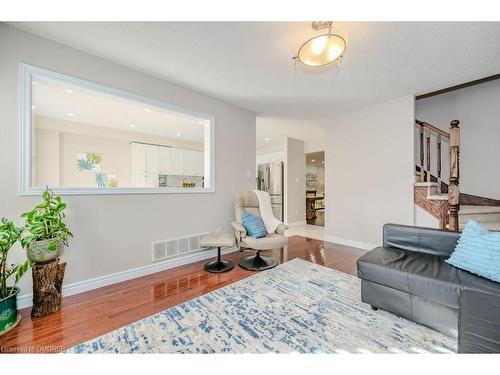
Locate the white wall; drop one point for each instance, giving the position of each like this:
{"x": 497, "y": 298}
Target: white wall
{"x": 295, "y": 182}
{"x": 478, "y": 110}
{"x": 369, "y": 173}
{"x": 113, "y": 233}
{"x": 424, "y": 219}
{"x": 47, "y": 157}
{"x": 278, "y": 128}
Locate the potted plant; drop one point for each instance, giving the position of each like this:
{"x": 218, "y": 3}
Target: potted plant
{"x": 9, "y": 234}
{"x": 46, "y": 232}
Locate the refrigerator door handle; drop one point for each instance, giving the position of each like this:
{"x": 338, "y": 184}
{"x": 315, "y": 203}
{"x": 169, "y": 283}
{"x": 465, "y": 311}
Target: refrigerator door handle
{"x": 268, "y": 177}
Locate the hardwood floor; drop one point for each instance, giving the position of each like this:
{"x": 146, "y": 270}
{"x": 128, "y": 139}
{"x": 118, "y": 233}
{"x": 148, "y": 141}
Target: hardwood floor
{"x": 91, "y": 314}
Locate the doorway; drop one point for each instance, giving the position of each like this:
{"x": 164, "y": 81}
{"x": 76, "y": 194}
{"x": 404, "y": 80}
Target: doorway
{"x": 315, "y": 188}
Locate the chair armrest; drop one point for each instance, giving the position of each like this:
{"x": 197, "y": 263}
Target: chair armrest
{"x": 281, "y": 229}
{"x": 479, "y": 322}
{"x": 239, "y": 229}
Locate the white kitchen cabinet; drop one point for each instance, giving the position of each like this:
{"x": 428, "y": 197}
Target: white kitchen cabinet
{"x": 144, "y": 165}
{"x": 188, "y": 162}
{"x": 151, "y": 170}
{"x": 176, "y": 161}
{"x": 199, "y": 163}
{"x": 138, "y": 164}
{"x": 149, "y": 161}
{"x": 163, "y": 160}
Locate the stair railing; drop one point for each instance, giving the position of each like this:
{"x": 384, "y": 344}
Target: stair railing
{"x": 427, "y": 133}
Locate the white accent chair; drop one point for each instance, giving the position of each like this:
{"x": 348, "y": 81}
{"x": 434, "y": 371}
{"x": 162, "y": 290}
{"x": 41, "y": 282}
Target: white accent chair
{"x": 248, "y": 201}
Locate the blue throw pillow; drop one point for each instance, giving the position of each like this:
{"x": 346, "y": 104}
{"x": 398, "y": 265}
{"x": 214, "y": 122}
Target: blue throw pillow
{"x": 478, "y": 251}
{"x": 253, "y": 224}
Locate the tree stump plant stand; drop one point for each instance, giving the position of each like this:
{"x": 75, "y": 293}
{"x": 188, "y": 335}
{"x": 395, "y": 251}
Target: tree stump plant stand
{"x": 47, "y": 285}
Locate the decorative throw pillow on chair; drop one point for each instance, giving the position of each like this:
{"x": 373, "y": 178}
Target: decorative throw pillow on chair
{"x": 253, "y": 224}
{"x": 478, "y": 251}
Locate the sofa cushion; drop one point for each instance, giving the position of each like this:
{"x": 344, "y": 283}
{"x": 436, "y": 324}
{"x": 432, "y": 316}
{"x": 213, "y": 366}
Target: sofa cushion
{"x": 383, "y": 266}
{"x": 423, "y": 275}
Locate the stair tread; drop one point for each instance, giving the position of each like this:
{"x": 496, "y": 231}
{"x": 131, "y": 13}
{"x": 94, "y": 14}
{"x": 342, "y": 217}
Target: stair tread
{"x": 490, "y": 226}
{"x": 425, "y": 184}
{"x": 442, "y": 197}
{"x": 470, "y": 210}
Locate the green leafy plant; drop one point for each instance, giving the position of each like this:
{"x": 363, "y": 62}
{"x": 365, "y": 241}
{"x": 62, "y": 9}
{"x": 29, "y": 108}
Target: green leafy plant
{"x": 46, "y": 222}
{"x": 9, "y": 234}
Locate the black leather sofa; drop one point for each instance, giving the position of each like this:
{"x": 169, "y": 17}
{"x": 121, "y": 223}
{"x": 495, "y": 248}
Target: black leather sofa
{"x": 409, "y": 277}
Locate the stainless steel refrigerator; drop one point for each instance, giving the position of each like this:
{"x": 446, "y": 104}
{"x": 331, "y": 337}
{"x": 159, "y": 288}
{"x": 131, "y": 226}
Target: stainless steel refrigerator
{"x": 270, "y": 179}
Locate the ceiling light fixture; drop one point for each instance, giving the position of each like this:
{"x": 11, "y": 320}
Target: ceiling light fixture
{"x": 267, "y": 139}
{"x": 68, "y": 90}
{"x": 313, "y": 160}
{"x": 70, "y": 114}
{"x": 200, "y": 122}
{"x": 147, "y": 109}
{"x": 33, "y": 107}
{"x": 323, "y": 49}
{"x": 132, "y": 125}
{"x": 179, "y": 134}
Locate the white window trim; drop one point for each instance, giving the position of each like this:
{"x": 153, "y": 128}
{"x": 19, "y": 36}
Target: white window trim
{"x": 26, "y": 138}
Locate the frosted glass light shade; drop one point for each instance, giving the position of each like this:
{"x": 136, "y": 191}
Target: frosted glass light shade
{"x": 321, "y": 50}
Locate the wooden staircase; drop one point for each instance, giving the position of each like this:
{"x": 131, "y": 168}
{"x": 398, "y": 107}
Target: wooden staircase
{"x": 444, "y": 200}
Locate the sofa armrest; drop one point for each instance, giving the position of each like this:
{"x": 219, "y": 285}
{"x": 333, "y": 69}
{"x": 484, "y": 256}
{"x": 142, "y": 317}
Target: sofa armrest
{"x": 281, "y": 229}
{"x": 422, "y": 240}
{"x": 479, "y": 322}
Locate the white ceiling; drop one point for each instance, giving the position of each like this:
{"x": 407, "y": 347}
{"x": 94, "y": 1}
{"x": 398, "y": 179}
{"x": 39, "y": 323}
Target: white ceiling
{"x": 63, "y": 101}
{"x": 249, "y": 63}
{"x": 271, "y": 133}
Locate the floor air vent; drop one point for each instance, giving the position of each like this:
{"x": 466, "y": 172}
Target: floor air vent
{"x": 175, "y": 247}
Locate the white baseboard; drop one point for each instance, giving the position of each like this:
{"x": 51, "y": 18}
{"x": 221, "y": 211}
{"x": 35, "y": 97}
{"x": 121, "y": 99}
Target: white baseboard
{"x": 352, "y": 243}
{"x": 26, "y": 300}
{"x": 297, "y": 223}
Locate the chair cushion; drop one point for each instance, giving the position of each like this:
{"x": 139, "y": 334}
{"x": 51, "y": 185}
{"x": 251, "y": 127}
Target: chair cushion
{"x": 423, "y": 275}
{"x": 270, "y": 242}
{"x": 253, "y": 224}
{"x": 478, "y": 251}
{"x": 217, "y": 240}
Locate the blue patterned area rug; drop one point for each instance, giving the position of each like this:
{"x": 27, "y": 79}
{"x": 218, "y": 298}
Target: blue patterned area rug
{"x": 298, "y": 306}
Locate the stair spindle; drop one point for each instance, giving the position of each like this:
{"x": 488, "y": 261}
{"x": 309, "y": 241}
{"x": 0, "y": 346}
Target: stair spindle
{"x": 428, "y": 156}
{"x": 453, "y": 189}
{"x": 439, "y": 163}
{"x": 422, "y": 174}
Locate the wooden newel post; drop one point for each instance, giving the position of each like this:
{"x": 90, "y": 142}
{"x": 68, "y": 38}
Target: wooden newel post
{"x": 453, "y": 189}
{"x": 422, "y": 157}
{"x": 47, "y": 285}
